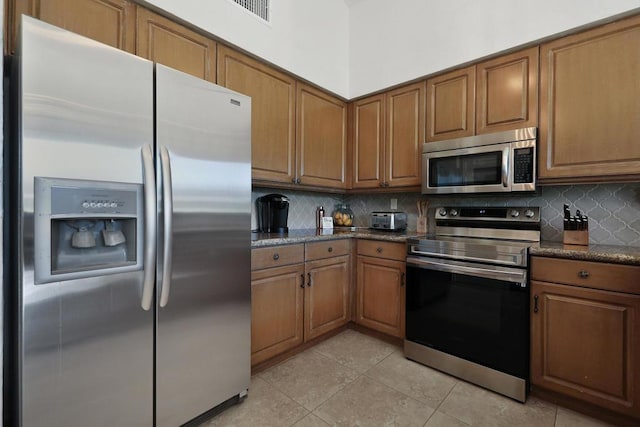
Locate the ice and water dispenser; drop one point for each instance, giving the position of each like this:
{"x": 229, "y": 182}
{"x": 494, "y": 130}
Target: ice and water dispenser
{"x": 86, "y": 228}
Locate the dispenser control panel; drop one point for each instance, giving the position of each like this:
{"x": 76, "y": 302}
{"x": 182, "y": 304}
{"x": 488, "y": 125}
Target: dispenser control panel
{"x": 70, "y": 200}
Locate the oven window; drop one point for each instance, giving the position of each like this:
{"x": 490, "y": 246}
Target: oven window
{"x": 469, "y": 169}
{"x": 481, "y": 320}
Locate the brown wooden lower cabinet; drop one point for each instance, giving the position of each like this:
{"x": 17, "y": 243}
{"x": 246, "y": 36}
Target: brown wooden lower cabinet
{"x": 277, "y": 296}
{"x": 380, "y": 293}
{"x": 326, "y": 299}
{"x": 585, "y": 342}
{"x": 295, "y": 303}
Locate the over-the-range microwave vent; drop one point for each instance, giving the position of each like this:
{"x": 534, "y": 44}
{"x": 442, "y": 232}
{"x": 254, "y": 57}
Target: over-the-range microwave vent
{"x": 259, "y": 8}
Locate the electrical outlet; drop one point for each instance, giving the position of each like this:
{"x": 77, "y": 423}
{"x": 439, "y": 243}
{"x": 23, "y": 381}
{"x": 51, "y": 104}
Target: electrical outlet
{"x": 394, "y": 203}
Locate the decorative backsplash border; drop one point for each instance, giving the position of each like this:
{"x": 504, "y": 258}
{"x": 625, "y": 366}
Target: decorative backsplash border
{"x": 613, "y": 209}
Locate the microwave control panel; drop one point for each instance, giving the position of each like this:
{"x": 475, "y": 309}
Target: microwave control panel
{"x": 523, "y": 165}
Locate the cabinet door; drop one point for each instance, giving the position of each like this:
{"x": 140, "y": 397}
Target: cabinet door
{"x": 321, "y": 137}
{"x": 380, "y": 295}
{"x": 273, "y": 99}
{"x": 585, "y": 343}
{"x": 589, "y": 109}
{"x": 276, "y": 311}
{"x": 108, "y": 21}
{"x": 507, "y": 92}
{"x": 368, "y": 141}
{"x": 451, "y": 105}
{"x": 326, "y": 296}
{"x": 167, "y": 43}
{"x": 405, "y": 135}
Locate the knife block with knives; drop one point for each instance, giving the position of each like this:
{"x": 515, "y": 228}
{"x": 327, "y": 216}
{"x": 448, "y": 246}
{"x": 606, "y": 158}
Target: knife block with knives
{"x": 576, "y": 228}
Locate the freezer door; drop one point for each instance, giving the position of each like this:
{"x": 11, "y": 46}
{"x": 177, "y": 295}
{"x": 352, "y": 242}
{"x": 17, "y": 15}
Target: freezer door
{"x": 84, "y": 346}
{"x": 203, "y": 319}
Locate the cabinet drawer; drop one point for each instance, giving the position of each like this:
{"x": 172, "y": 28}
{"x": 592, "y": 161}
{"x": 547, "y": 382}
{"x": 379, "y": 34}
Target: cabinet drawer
{"x": 388, "y": 250}
{"x": 320, "y": 250}
{"x": 275, "y": 256}
{"x": 597, "y": 275}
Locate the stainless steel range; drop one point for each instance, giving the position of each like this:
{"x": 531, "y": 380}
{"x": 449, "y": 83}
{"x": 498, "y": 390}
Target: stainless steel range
{"x": 468, "y": 296}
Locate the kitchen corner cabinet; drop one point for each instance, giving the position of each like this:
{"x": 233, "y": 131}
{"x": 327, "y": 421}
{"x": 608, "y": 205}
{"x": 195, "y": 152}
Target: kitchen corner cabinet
{"x": 388, "y": 132}
{"x": 273, "y": 106}
{"x": 293, "y": 301}
{"x": 168, "y": 43}
{"x": 321, "y": 139}
{"x": 507, "y": 92}
{"x": 380, "y": 287}
{"x": 589, "y": 109}
{"x": 108, "y": 21}
{"x": 326, "y": 300}
{"x": 585, "y": 332}
{"x": 451, "y": 105}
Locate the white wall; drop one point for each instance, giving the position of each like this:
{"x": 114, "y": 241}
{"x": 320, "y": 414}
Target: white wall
{"x": 305, "y": 37}
{"x": 355, "y": 47}
{"x": 395, "y": 41}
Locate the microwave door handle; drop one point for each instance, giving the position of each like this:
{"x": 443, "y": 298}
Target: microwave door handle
{"x": 505, "y": 167}
{"x": 167, "y": 194}
{"x": 150, "y": 227}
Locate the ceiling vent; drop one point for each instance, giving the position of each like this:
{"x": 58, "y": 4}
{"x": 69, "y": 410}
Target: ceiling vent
{"x": 259, "y": 8}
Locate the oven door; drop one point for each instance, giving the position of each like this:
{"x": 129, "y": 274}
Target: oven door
{"x": 476, "y": 312}
{"x": 481, "y": 169}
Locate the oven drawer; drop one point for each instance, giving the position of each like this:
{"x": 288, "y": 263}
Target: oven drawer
{"x": 596, "y": 275}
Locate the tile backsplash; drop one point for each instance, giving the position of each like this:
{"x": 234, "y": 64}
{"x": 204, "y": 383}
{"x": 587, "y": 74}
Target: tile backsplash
{"x": 613, "y": 209}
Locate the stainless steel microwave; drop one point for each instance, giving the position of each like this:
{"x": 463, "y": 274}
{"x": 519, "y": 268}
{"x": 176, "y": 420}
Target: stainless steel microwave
{"x": 491, "y": 163}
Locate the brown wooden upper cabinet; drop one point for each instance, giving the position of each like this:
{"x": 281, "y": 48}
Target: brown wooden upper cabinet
{"x": 321, "y": 138}
{"x": 108, "y": 21}
{"x": 166, "y": 42}
{"x": 451, "y": 105}
{"x": 507, "y": 92}
{"x": 492, "y": 96}
{"x": 589, "y": 108}
{"x": 388, "y": 130}
{"x": 273, "y": 109}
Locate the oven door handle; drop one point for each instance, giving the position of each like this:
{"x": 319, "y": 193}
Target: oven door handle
{"x": 508, "y": 275}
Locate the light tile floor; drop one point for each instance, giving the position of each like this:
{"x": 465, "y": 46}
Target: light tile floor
{"x": 353, "y": 379}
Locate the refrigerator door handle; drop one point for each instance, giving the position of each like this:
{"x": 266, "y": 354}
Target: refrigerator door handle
{"x": 150, "y": 228}
{"x": 167, "y": 194}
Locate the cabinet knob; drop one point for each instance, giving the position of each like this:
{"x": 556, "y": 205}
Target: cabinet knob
{"x": 330, "y": 249}
{"x": 276, "y": 257}
{"x": 583, "y": 274}
{"x": 379, "y": 250}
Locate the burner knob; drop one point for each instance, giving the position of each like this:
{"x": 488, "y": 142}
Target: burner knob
{"x": 515, "y": 213}
{"x": 529, "y": 213}
{"x": 442, "y": 212}
{"x": 453, "y": 212}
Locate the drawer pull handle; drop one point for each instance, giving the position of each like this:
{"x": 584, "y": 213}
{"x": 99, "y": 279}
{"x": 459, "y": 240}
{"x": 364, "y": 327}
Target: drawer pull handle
{"x": 535, "y": 303}
{"x": 276, "y": 257}
{"x": 302, "y": 281}
{"x": 309, "y": 281}
{"x": 379, "y": 250}
{"x": 583, "y": 274}
{"x": 330, "y": 249}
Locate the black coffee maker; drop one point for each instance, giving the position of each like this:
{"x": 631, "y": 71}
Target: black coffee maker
{"x": 273, "y": 211}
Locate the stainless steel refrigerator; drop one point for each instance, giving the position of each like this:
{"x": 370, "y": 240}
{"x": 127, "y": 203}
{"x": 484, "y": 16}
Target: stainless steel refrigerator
{"x": 130, "y": 262}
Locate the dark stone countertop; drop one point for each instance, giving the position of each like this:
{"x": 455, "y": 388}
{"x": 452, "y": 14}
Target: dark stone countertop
{"x": 312, "y": 235}
{"x": 599, "y": 253}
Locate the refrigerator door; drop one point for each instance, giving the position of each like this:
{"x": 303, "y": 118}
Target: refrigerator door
{"x": 85, "y": 345}
{"x": 203, "y": 318}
